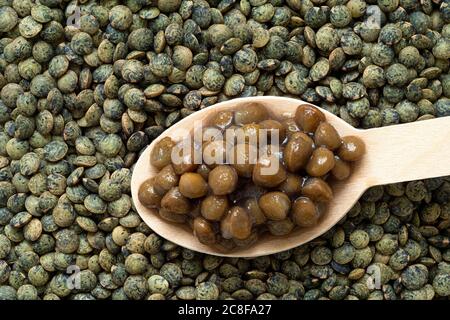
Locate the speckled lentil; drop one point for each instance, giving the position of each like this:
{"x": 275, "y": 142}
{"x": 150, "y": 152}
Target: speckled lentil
{"x": 78, "y": 105}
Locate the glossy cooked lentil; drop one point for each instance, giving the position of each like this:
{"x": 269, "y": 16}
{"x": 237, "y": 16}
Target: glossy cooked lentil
{"x": 81, "y": 139}
{"x": 247, "y": 185}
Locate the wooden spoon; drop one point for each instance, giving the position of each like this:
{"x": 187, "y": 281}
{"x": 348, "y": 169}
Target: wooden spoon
{"x": 404, "y": 152}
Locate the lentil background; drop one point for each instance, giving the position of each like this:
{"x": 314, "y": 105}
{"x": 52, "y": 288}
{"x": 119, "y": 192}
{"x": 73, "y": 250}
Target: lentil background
{"x": 79, "y": 102}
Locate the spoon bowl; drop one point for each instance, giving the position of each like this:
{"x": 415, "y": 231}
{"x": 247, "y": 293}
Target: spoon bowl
{"x": 390, "y": 153}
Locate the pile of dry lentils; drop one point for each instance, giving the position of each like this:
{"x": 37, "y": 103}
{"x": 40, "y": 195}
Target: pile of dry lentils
{"x": 87, "y": 85}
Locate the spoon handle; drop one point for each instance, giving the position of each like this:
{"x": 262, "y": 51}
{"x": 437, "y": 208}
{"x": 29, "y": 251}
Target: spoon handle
{"x": 406, "y": 152}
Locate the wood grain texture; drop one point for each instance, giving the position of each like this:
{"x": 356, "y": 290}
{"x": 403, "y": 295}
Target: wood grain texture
{"x": 406, "y": 152}
{"x": 398, "y": 153}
